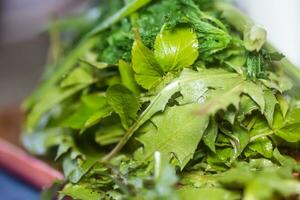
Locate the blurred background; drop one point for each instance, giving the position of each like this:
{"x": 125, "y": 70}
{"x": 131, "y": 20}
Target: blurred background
{"x": 23, "y": 45}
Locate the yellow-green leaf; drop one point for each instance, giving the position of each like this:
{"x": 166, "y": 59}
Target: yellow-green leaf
{"x": 175, "y": 49}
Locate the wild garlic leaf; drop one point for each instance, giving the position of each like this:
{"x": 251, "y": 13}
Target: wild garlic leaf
{"x": 78, "y": 119}
{"x": 54, "y": 96}
{"x": 127, "y": 76}
{"x": 147, "y": 70}
{"x": 175, "y": 134}
{"x": 124, "y": 103}
{"x": 175, "y": 49}
{"x": 80, "y": 75}
{"x": 91, "y": 110}
{"x": 97, "y": 116}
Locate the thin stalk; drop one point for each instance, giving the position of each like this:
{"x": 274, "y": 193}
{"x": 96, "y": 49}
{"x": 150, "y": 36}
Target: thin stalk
{"x": 122, "y": 142}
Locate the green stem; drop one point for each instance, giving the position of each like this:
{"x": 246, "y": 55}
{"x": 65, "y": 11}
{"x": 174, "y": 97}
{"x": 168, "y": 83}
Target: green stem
{"x": 122, "y": 142}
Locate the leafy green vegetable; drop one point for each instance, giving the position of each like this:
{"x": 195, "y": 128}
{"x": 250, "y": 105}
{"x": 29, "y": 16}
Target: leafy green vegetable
{"x": 175, "y": 49}
{"x": 174, "y": 134}
{"x": 166, "y": 100}
{"x": 124, "y": 102}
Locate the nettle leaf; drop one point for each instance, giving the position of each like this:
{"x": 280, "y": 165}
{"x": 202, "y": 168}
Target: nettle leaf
{"x": 148, "y": 71}
{"x": 175, "y": 134}
{"x": 175, "y": 49}
{"x": 124, "y": 103}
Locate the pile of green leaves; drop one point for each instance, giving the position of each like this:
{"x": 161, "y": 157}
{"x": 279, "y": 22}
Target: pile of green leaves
{"x": 167, "y": 99}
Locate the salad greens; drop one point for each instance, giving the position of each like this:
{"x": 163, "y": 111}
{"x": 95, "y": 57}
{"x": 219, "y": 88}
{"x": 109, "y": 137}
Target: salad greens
{"x": 166, "y": 99}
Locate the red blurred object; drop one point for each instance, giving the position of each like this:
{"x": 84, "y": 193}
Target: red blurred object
{"x": 32, "y": 170}
{"x": 15, "y": 159}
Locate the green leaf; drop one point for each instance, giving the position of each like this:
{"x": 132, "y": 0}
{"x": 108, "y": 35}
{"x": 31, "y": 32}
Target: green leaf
{"x": 80, "y": 75}
{"x": 109, "y": 134}
{"x": 263, "y": 146}
{"x": 175, "y": 49}
{"x": 124, "y": 103}
{"x": 94, "y": 100}
{"x": 79, "y": 118}
{"x": 175, "y": 134}
{"x": 247, "y": 106}
{"x": 54, "y": 96}
{"x": 124, "y": 12}
{"x": 210, "y": 135}
{"x": 288, "y": 128}
{"x": 75, "y": 168}
{"x": 127, "y": 76}
{"x": 148, "y": 71}
{"x": 210, "y": 193}
{"x": 231, "y": 95}
{"x": 165, "y": 179}
{"x": 256, "y": 93}
{"x": 92, "y": 109}
{"x": 241, "y": 138}
{"x": 290, "y": 133}
{"x": 80, "y": 192}
{"x": 271, "y": 102}
{"x": 97, "y": 116}
{"x": 283, "y": 104}
{"x": 221, "y": 157}
{"x": 213, "y": 78}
